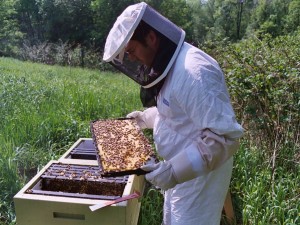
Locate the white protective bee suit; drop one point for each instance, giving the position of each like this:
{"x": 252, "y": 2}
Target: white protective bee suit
{"x": 196, "y": 133}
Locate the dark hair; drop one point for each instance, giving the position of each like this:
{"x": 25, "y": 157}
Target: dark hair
{"x": 166, "y": 47}
{"x": 164, "y": 54}
{"x": 143, "y": 29}
{"x": 141, "y": 32}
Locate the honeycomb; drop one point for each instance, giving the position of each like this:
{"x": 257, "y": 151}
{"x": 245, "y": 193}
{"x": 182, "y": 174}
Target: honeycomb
{"x": 121, "y": 145}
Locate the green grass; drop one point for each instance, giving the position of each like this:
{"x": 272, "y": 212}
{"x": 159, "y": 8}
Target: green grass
{"x": 258, "y": 199}
{"x": 45, "y": 109}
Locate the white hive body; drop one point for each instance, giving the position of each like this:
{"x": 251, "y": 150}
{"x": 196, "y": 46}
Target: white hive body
{"x": 36, "y": 203}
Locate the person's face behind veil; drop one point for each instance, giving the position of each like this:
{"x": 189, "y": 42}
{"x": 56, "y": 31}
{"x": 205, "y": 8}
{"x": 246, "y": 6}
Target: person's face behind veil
{"x": 143, "y": 53}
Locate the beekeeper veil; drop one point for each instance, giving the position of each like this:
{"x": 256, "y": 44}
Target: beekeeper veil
{"x": 129, "y": 25}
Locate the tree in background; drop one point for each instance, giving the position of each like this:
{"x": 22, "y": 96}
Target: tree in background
{"x": 30, "y": 20}
{"x": 218, "y": 19}
{"x": 293, "y": 16}
{"x": 67, "y": 20}
{"x": 179, "y": 12}
{"x": 203, "y": 19}
{"x": 269, "y": 17}
{"x": 105, "y": 13}
{"x": 85, "y": 23}
{"x": 10, "y": 34}
{"x": 55, "y": 20}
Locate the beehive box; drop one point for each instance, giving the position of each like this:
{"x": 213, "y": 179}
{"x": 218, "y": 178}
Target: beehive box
{"x": 83, "y": 151}
{"x": 35, "y": 207}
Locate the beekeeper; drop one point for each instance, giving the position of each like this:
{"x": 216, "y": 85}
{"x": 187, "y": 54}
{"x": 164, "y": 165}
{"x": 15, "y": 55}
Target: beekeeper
{"x": 188, "y": 106}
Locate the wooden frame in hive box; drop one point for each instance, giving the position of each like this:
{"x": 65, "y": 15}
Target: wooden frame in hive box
{"x": 33, "y": 209}
{"x": 66, "y": 157}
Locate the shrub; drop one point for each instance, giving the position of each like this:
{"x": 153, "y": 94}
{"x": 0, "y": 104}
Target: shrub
{"x": 263, "y": 77}
{"x": 64, "y": 54}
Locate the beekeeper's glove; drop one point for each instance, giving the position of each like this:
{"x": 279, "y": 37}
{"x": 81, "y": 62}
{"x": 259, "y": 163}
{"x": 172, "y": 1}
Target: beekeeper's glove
{"x": 161, "y": 175}
{"x": 146, "y": 118}
{"x": 197, "y": 159}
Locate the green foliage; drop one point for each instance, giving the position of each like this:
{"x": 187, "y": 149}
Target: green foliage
{"x": 293, "y": 16}
{"x": 45, "y": 109}
{"x": 57, "y": 101}
{"x": 86, "y": 23}
{"x": 179, "y": 12}
{"x": 217, "y": 19}
{"x": 10, "y": 182}
{"x": 10, "y": 33}
{"x": 225, "y": 15}
{"x": 105, "y": 13}
{"x": 257, "y": 198}
{"x": 30, "y": 21}
{"x": 270, "y": 17}
{"x": 54, "y": 20}
{"x": 264, "y": 77}
{"x": 151, "y": 207}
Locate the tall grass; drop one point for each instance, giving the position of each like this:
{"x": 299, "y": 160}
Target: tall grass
{"x": 257, "y": 198}
{"x": 45, "y": 109}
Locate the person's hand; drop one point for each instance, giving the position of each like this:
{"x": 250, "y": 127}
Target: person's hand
{"x": 138, "y": 116}
{"x": 146, "y": 118}
{"x": 161, "y": 175}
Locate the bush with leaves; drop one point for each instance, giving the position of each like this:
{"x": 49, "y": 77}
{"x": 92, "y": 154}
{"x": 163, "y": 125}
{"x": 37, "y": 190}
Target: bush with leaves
{"x": 263, "y": 76}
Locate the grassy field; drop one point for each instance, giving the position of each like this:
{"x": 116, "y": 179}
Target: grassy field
{"x": 45, "y": 109}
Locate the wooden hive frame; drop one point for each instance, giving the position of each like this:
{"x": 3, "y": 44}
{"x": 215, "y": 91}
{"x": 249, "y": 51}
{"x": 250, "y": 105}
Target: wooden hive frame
{"x": 32, "y": 209}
